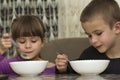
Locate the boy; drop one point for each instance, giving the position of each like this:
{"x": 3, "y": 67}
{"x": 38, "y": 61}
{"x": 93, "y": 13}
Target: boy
{"x": 101, "y": 22}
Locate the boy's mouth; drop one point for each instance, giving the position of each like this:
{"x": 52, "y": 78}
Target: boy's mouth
{"x": 97, "y": 47}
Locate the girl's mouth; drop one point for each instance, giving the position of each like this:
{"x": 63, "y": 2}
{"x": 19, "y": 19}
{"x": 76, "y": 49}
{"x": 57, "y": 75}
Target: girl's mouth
{"x": 28, "y": 52}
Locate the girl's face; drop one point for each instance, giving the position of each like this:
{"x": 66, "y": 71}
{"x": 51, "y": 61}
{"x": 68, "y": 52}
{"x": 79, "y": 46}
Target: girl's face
{"x": 100, "y": 35}
{"x": 30, "y": 46}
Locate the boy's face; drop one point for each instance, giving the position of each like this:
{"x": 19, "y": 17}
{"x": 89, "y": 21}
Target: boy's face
{"x": 100, "y": 35}
{"x": 30, "y": 46}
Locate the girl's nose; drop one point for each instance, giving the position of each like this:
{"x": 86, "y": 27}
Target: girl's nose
{"x": 28, "y": 45}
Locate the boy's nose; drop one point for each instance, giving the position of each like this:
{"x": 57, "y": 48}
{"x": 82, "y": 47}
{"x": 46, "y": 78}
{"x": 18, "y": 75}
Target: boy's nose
{"x": 93, "y": 40}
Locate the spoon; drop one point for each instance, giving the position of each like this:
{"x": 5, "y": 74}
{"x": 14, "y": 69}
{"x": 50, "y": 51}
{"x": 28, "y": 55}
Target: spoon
{"x": 67, "y": 62}
{"x": 24, "y": 56}
{"x": 62, "y": 54}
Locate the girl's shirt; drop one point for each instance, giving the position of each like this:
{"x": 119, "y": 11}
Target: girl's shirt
{"x": 6, "y": 69}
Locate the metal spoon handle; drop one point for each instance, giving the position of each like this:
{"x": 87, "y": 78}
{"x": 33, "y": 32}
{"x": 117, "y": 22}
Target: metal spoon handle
{"x": 21, "y": 54}
{"x": 14, "y": 43}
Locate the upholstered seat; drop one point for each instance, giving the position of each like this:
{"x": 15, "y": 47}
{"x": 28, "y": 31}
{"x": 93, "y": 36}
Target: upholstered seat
{"x": 70, "y": 46}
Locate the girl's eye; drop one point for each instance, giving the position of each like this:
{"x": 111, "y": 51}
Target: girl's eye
{"x": 22, "y": 41}
{"x": 34, "y": 40}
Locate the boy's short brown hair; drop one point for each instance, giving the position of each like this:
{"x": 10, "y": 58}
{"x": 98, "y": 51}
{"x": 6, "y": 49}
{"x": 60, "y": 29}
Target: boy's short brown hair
{"x": 108, "y": 9}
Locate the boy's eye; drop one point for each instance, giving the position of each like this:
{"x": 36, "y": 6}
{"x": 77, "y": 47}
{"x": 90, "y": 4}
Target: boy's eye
{"x": 89, "y": 36}
{"x": 99, "y": 33}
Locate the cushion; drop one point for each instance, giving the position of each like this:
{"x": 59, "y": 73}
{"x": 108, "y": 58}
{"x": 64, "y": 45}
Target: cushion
{"x": 72, "y": 47}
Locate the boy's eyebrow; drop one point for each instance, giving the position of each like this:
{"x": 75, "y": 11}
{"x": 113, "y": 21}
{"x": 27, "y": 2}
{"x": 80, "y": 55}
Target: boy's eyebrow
{"x": 97, "y": 31}
{"x": 94, "y": 31}
{"x": 86, "y": 33}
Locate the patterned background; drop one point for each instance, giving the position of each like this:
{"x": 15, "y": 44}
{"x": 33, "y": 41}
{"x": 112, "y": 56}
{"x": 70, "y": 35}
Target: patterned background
{"x": 61, "y": 17}
{"x": 47, "y": 10}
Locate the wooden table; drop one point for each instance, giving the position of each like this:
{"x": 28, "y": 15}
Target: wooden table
{"x": 67, "y": 77}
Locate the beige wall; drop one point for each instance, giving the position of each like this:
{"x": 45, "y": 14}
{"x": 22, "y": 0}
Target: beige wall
{"x": 69, "y": 14}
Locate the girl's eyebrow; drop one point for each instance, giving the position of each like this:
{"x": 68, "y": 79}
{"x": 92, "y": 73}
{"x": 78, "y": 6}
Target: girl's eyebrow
{"x": 34, "y": 37}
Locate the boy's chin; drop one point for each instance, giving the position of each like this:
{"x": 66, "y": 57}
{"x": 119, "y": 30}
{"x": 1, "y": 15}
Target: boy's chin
{"x": 101, "y": 51}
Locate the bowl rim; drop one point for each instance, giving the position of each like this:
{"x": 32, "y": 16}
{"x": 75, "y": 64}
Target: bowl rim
{"x": 17, "y": 62}
{"x": 90, "y": 60}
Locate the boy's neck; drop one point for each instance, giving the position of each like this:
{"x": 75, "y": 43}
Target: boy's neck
{"x": 114, "y": 53}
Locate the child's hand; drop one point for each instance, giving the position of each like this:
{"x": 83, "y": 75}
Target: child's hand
{"x": 61, "y": 62}
{"x": 5, "y": 43}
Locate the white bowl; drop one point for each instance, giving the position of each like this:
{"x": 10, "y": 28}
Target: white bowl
{"x": 89, "y": 67}
{"x": 28, "y": 68}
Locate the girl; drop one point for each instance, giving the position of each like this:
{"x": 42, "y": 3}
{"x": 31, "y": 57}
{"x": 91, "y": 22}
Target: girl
{"x": 29, "y": 34}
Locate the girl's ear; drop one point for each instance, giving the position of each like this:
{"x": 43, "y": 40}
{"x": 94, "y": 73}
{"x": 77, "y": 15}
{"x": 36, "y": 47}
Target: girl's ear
{"x": 117, "y": 27}
{"x": 44, "y": 42}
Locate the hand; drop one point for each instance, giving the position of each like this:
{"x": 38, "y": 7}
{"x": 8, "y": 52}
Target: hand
{"x": 5, "y": 43}
{"x": 61, "y": 62}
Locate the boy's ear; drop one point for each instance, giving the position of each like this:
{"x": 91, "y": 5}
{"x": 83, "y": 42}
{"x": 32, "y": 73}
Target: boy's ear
{"x": 117, "y": 27}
